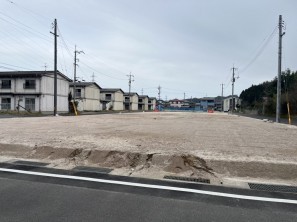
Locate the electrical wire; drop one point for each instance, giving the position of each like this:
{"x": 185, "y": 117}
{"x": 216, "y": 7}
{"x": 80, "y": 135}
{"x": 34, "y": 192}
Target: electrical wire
{"x": 28, "y": 28}
{"x": 14, "y": 66}
{"x": 263, "y": 45}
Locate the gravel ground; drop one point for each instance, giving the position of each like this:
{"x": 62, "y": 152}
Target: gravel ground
{"x": 215, "y": 145}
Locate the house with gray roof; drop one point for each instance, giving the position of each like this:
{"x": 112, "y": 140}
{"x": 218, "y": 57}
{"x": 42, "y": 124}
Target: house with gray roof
{"x": 152, "y": 103}
{"x": 33, "y": 91}
{"x": 131, "y": 101}
{"x": 87, "y": 95}
{"x": 143, "y": 102}
{"x": 112, "y": 98}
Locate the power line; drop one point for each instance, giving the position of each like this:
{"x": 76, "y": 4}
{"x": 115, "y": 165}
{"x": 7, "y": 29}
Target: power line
{"x": 28, "y": 10}
{"x": 261, "y": 49}
{"x": 45, "y": 37}
{"x": 100, "y": 72}
{"x": 14, "y": 66}
{"x": 22, "y": 44}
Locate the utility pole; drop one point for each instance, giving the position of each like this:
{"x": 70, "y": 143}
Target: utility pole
{"x": 75, "y": 65}
{"x": 93, "y": 77}
{"x": 55, "y": 67}
{"x": 222, "y": 102}
{"x": 159, "y": 95}
{"x": 222, "y": 89}
{"x": 279, "y": 76}
{"x": 45, "y": 66}
{"x": 159, "y": 92}
{"x": 130, "y": 81}
{"x": 233, "y": 81}
{"x": 184, "y": 96}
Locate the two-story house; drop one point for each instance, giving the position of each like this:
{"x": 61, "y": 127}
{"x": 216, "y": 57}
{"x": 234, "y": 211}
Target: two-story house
{"x": 112, "y": 99}
{"x": 87, "y": 94}
{"x": 131, "y": 101}
{"x": 143, "y": 102}
{"x": 152, "y": 103}
{"x": 176, "y": 103}
{"x": 207, "y": 103}
{"x": 33, "y": 91}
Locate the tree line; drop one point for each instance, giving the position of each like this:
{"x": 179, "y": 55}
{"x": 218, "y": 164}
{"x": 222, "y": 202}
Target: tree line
{"x": 262, "y": 97}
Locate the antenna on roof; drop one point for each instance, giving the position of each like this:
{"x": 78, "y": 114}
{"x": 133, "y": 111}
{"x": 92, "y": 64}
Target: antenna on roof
{"x": 45, "y": 66}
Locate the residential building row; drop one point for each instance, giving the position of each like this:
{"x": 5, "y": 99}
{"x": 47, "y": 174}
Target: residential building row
{"x": 34, "y": 91}
{"x": 206, "y": 103}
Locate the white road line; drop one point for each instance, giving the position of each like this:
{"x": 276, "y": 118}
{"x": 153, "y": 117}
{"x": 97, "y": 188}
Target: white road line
{"x": 188, "y": 190}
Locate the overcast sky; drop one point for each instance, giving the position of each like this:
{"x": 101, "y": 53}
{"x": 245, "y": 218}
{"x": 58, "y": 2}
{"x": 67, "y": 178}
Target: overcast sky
{"x": 182, "y": 45}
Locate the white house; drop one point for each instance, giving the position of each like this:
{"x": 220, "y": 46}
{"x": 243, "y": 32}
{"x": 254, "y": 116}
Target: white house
{"x": 143, "y": 102}
{"x": 112, "y": 99}
{"x": 131, "y": 101}
{"x": 227, "y": 105}
{"x": 152, "y": 103}
{"x": 33, "y": 91}
{"x": 176, "y": 103}
{"x": 87, "y": 94}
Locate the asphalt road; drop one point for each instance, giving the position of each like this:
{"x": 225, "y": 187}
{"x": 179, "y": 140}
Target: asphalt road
{"x": 46, "y": 198}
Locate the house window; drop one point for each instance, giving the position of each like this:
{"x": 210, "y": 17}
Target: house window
{"x": 127, "y": 99}
{"x": 77, "y": 92}
{"x": 6, "y": 84}
{"x": 6, "y": 103}
{"x": 140, "y": 100}
{"x": 30, "y": 104}
{"x": 108, "y": 96}
{"x": 29, "y": 84}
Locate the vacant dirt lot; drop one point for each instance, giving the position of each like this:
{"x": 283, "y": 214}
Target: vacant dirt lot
{"x": 216, "y": 146}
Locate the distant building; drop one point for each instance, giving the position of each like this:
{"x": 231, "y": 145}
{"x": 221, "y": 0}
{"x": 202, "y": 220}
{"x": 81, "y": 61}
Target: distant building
{"x": 130, "y": 101}
{"x": 143, "y": 102}
{"x": 33, "y": 91}
{"x": 87, "y": 94}
{"x": 176, "y": 103}
{"x": 207, "y": 103}
{"x": 152, "y": 103}
{"x": 228, "y": 103}
{"x": 219, "y": 103}
{"x": 112, "y": 98}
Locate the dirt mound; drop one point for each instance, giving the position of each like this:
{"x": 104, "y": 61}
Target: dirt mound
{"x": 178, "y": 164}
{"x": 114, "y": 159}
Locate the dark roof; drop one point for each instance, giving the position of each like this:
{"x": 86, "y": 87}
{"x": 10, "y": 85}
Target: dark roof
{"x": 153, "y": 98}
{"x": 176, "y": 100}
{"x": 143, "y": 96}
{"x": 131, "y": 93}
{"x": 111, "y": 90}
{"x": 207, "y": 98}
{"x": 84, "y": 84}
{"x": 11, "y": 74}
